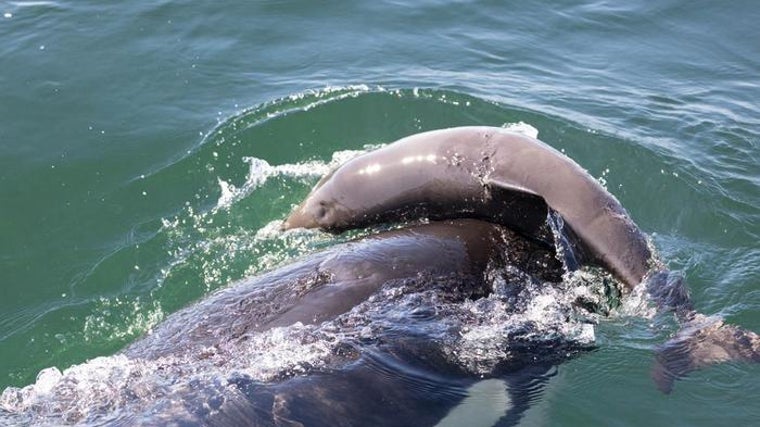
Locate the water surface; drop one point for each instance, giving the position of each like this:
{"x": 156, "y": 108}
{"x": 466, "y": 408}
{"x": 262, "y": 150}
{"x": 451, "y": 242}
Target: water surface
{"x": 122, "y": 126}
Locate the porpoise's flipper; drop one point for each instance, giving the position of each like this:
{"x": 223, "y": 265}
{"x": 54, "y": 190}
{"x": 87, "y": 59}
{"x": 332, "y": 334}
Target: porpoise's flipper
{"x": 702, "y": 342}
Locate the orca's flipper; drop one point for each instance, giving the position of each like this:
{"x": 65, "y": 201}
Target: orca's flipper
{"x": 702, "y": 342}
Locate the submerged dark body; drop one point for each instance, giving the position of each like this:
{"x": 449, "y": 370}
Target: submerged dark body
{"x": 449, "y": 259}
{"x": 325, "y": 285}
{"x": 370, "y": 392}
{"x": 383, "y": 312}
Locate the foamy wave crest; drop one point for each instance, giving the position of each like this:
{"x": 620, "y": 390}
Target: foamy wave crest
{"x": 524, "y": 318}
{"x": 259, "y": 171}
{"x": 521, "y": 127}
{"x": 74, "y": 394}
{"x": 109, "y": 388}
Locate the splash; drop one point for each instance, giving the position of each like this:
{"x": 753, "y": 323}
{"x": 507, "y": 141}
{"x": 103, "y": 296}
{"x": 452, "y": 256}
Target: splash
{"x": 525, "y": 318}
{"x": 521, "y": 127}
{"x": 102, "y": 325}
{"x": 106, "y": 389}
{"x": 259, "y": 171}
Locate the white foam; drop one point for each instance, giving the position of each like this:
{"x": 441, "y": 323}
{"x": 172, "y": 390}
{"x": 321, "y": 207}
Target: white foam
{"x": 260, "y": 171}
{"x": 638, "y": 303}
{"x": 521, "y": 127}
{"x": 288, "y": 350}
{"x": 104, "y": 386}
{"x": 32, "y": 3}
{"x": 228, "y": 193}
{"x": 47, "y": 379}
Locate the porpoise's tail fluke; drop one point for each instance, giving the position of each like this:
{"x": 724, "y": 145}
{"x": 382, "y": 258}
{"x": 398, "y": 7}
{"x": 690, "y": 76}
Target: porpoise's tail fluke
{"x": 702, "y": 340}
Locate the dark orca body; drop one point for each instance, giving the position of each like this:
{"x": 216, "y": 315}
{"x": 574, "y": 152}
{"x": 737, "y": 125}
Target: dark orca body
{"x": 327, "y": 284}
{"x": 370, "y": 392}
{"x": 382, "y": 312}
{"x": 396, "y": 379}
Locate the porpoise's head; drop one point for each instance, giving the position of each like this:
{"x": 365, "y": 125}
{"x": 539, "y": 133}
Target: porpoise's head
{"x": 365, "y": 190}
{"x": 316, "y": 211}
{"x": 326, "y": 207}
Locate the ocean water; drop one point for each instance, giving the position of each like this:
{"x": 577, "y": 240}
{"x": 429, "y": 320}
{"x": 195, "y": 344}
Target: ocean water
{"x": 147, "y": 149}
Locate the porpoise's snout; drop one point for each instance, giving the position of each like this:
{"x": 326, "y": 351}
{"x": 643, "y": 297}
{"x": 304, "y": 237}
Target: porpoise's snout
{"x": 299, "y": 218}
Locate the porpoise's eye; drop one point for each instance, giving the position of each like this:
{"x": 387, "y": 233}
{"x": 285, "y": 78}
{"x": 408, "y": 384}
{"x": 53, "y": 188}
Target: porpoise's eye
{"x": 321, "y": 210}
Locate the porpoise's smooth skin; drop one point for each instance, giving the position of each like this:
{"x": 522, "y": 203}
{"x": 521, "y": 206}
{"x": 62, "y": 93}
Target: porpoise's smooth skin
{"x": 479, "y": 172}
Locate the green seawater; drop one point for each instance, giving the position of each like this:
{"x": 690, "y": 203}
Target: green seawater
{"x": 129, "y": 133}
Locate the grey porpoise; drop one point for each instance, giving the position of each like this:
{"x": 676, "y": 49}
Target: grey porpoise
{"x": 512, "y": 179}
{"x": 482, "y": 172}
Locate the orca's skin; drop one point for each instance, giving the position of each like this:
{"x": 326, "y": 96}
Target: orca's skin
{"x": 324, "y": 285}
{"x": 358, "y": 334}
{"x": 398, "y": 381}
